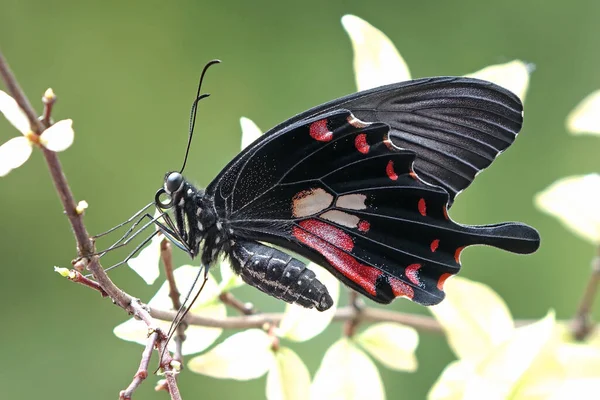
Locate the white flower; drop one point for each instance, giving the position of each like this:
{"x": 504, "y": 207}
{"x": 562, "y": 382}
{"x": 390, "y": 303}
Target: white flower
{"x": 16, "y": 151}
{"x": 207, "y": 304}
{"x": 574, "y": 201}
{"x": 585, "y": 118}
{"x": 377, "y": 62}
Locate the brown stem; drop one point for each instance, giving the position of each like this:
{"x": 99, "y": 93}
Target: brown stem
{"x": 142, "y": 372}
{"x": 77, "y": 277}
{"x": 581, "y": 325}
{"x": 166, "y": 255}
{"x": 85, "y": 246}
{"x": 351, "y": 324}
{"x": 243, "y": 308}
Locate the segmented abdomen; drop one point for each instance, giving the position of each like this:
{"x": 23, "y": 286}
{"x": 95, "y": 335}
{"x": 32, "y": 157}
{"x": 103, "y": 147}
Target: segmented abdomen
{"x": 279, "y": 275}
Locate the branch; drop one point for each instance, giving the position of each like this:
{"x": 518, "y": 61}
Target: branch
{"x": 85, "y": 246}
{"x": 142, "y": 372}
{"x": 581, "y": 325}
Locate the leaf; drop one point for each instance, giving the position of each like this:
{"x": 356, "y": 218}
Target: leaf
{"x": 300, "y": 324}
{"x": 250, "y": 132}
{"x": 198, "y": 338}
{"x": 59, "y": 136}
{"x": 346, "y": 373}
{"x": 574, "y": 201}
{"x": 13, "y": 154}
{"x": 243, "y": 356}
{"x": 13, "y": 113}
{"x": 513, "y": 76}
{"x": 497, "y": 375}
{"x": 146, "y": 264}
{"x": 452, "y": 382}
{"x": 376, "y": 60}
{"x": 585, "y": 118}
{"x": 392, "y": 344}
{"x": 288, "y": 379}
{"x": 474, "y": 318}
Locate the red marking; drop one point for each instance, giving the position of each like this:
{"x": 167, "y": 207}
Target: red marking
{"x": 412, "y": 273}
{"x": 442, "y": 280}
{"x": 361, "y": 143}
{"x": 364, "y": 226}
{"x": 413, "y": 175}
{"x": 388, "y": 142}
{"x": 422, "y": 207}
{"x": 400, "y": 288}
{"x": 445, "y": 210}
{"x": 390, "y": 171}
{"x": 363, "y": 275}
{"x": 319, "y": 131}
{"x": 329, "y": 233}
{"x": 434, "y": 245}
{"x": 457, "y": 254}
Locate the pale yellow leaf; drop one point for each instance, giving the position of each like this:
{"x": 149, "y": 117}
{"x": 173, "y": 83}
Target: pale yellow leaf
{"x": 391, "y": 344}
{"x": 474, "y": 318}
{"x": 288, "y": 379}
{"x": 574, "y": 201}
{"x": 245, "y": 355}
{"x": 13, "y": 113}
{"x": 198, "y": 338}
{"x": 585, "y": 118}
{"x": 498, "y": 374}
{"x": 452, "y": 382}
{"x": 250, "y": 132}
{"x": 146, "y": 263}
{"x": 346, "y": 373}
{"x": 301, "y": 324}
{"x": 59, "y": 136}
{"x": 13, "y": 154}
{"x": 513, "y": 76}
{"x": 376, "y": 60}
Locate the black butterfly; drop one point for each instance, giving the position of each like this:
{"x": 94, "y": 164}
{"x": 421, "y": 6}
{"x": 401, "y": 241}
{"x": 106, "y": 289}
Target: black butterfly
{"x": 360, "y": 185}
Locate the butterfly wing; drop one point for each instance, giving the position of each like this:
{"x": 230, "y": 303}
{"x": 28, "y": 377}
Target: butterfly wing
{"x": 456, "y": 126}
{"x": 340, "y": 192}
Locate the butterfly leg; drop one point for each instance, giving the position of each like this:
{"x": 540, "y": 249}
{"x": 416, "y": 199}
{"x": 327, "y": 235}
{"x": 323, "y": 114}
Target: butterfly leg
{"x": 279, "y": 275}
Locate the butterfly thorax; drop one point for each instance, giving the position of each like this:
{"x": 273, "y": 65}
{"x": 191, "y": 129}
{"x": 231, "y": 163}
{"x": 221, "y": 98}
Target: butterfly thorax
{"x": 196, "y": 222}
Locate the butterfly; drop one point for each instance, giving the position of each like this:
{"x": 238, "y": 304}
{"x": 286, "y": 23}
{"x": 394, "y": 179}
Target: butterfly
{"x": 360, "y": 185}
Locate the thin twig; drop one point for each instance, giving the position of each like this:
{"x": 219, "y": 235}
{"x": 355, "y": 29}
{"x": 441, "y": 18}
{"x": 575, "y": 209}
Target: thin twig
{"x": 230, "y": 300}
{"x": 77, "y": 277}
{"x": 85, "y": 246}
{"x": 166, "y": 255}
{"x": 142, "y": 372}
{"x": 581, "y": 325}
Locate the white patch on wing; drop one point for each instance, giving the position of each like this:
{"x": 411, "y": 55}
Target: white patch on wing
{"x": 309, "y": 202}
{"x": 357, "y": 123}
{"x": 341, "y": 218}
{"x": 352, "y": 202}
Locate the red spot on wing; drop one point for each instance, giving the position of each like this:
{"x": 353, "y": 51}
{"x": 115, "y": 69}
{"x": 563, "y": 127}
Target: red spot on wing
{"x": 445, "y": 211}
{"x": 442, "y": 280}
{"x": 412, "y": 273}
{"x": 422, "y": 207}
{"x": 401, "y": 289}
{"x": 360, "y": 142}
{"x": 388, "y": 142}
{"x": 389, "y": 170}
{"x": 329, "y": 233}
{"x": 457, "y": 254}
{"x": 413, "y": 175}
{"x": 363, "y": 275}
{"x": 434, "y": 245}
{"x": 318, "y": 130}
{"x": 364, "y": 226}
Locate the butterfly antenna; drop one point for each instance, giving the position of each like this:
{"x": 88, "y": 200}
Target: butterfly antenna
{"x": 195, "y": 109}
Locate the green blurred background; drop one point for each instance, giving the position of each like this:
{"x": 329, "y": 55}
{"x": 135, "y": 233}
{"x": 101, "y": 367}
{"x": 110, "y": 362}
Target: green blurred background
{"x": 126, "y": 73}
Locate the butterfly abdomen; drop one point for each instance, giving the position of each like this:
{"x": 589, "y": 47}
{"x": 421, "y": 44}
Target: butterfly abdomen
{"x": 279, "y": 275}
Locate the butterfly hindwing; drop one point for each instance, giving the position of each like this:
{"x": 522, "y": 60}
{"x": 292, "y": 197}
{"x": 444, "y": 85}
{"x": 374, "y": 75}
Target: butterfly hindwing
{"x": 340, "y": 192}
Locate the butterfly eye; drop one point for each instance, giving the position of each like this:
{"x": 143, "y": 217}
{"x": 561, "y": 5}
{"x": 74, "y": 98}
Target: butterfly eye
{"x": 160, "y": 202}
{"x": 173, "y": 182}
